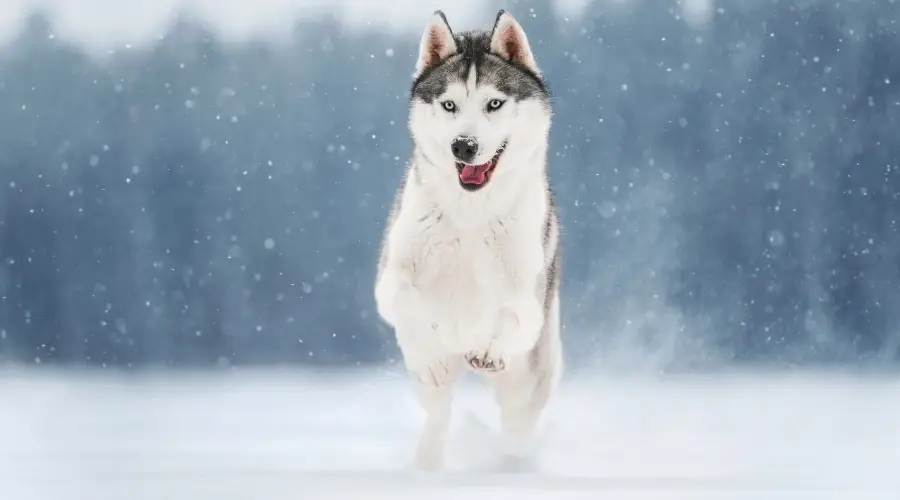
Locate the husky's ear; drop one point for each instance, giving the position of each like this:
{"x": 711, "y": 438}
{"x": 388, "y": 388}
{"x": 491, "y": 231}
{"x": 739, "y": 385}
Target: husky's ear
{"x": 509, "y": 42}
{"x": 437, "y": 43}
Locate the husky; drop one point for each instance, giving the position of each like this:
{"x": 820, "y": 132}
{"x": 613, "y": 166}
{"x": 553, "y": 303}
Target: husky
{"x": 469, "y": 268}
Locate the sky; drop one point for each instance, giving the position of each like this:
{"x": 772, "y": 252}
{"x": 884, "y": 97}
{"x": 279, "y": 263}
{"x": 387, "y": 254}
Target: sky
{"x": 111, "y": 24}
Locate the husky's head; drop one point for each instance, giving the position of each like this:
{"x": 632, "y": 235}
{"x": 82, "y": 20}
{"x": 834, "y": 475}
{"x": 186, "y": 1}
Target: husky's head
{"x": 480, "y": 108}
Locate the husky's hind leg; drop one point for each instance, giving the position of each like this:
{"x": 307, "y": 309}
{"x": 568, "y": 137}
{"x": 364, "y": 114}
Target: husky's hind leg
{"x": 524, "y": 391}
{"x": 436, "y": 400}
{"x": 516, "y": 392}
{"x": 434, "y": 375}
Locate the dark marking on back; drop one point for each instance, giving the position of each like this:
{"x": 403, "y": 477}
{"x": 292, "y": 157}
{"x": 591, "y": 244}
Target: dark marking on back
{"x": 551, "y": 213}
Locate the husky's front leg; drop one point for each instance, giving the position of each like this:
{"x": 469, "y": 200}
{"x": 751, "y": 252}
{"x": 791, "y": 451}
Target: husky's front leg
{"x": 391, "y": 286}
{"x": 397, "y": 297}
{"x": 517, "y": 324}
{"x": 514, "y": 333}
{"x": 396, "y": 291}
{"x": 434, "y": 374}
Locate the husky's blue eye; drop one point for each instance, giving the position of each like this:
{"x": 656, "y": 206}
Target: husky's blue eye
{"x": 449, "y": 106}
{"x": 495, "y": 104}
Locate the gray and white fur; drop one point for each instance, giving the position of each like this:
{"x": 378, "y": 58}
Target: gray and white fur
{"x": 469, "y": 270}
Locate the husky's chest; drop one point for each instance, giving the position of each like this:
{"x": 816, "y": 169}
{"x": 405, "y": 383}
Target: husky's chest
{"x": 453, "y": 263}
{"x": 462, "y": 270}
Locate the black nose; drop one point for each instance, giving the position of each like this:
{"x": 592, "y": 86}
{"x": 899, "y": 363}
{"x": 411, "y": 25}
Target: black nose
{"x": 464, "y": 148}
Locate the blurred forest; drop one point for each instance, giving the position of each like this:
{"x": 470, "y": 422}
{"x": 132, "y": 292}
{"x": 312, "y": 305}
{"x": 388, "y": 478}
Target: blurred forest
{"x": 729, "y": 190}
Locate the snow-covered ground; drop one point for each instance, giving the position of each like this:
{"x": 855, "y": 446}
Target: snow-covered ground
{"x": 262, "y": 435}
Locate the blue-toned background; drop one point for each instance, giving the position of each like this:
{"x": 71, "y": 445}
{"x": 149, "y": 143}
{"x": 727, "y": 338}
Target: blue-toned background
{"x": 210, "y": 195}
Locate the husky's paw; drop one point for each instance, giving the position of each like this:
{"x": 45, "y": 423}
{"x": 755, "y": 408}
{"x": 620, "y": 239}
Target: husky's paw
{"x": 485, "y": 361}
{"x": 435, "y": 373}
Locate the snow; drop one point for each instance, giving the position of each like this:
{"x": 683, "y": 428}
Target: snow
{"x": 279, "y": 434}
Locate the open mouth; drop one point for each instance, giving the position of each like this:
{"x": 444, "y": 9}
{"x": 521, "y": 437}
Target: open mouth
{"x": 475, "y": 177}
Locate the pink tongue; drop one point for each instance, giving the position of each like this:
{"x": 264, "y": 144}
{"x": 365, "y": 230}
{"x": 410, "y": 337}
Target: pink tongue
{"x": 474, "y": 174}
